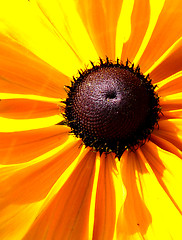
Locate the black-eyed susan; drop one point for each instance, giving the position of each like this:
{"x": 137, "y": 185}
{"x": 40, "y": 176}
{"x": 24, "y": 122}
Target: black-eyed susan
{"x": 101, "y": 160}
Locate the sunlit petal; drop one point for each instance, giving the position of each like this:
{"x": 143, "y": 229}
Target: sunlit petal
{"x": 67, "y": 215}
{"x": 100, "y": 18}
{"x": 170, "y": 85}
{"x": 66, "y": 22}
{"x": 24, "y": 188}
{"x": 23, "y": 146}
{"x": 110, "y": 197}
{"x": 147, "y": 205}
{"x": 27, "y": 106}
{"x": 15, "y": 125}
{"x": 33, "y": 31}
{"x": 171, "y": 130}
{"x": 155, "y": 10}
{"x": 23, "y": 72}
{"x": 166, "y": 33}
{"x": 128, "y": 42}
{"x": 172, "y": 102}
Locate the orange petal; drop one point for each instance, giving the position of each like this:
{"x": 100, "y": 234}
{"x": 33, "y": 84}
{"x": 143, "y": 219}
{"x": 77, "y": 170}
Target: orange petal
{"x": 23, "y": 72}
{"x": 170, "y": 85}
{"x": 139, "y": 21}
{"x": 67, "y": 216}
{"x": 17, "y": 147}
{"x": 148, "y": 212}
{"x": 168, "y": 65}
{"x": 171, "y": 102}
{"x": 28, "y": 26}
{"x": 172, "y": 114}
{"x": 100, "y": 18}
{"x": 24, "y": 188}
{"x": 25, "y": 108}
{"x": 166, "y": 32}
{"x": 109, "y": 199}
{"x": 170, "y": 130}
{"x": 165, "y": 145}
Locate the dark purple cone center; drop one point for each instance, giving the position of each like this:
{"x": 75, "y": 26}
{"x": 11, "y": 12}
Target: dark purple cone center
{"x": 111, "y": 104}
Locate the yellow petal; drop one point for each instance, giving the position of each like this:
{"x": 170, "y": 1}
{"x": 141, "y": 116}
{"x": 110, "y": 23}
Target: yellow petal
{"x": 148, "y": 211}
{"x": 23, "y": 72}
{"x": 16, "y": 125}
{"x": 66, "y": 22}
{"x": 100, "y": 19}
{"x": 109, "y": 199}
{"x": 124, "y": 26}
{"x": 167, "y": 166}
{"x": 20, "y": 106}
{"x": 67, "y": 215}
{"x": 28, "y": 26}
{"x": 170, "y": 130}
{"x": 166, "y": 145}
{"x": 25, "y": 187}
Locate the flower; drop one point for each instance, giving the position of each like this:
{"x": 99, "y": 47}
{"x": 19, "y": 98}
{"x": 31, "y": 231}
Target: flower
{"x": 51, "y": 186}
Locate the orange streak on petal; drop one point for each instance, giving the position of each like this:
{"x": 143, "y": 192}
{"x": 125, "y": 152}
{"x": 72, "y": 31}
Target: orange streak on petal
{"x": 171, "y": 102}
{"x": 167, "y": 31}
{"x": 16, "y": 125}
{"x": 110, "y": 192}
{"x": 148, "y": 211}
{"x": 134, "y": 218}
{"x": 64, "y": 20}
{"x": 172, "y": 114}
{"x": 25, "y": 188}
{"x": 100, "y": 18}
{"x": 139, "y": 23}
{"x": 23, "y": 72}
{"x": 170, "y": 130}
{"x": 166, "y": 163}
{"x": 17, "y": 147}
{"x": 24, "y": 108}
{"x": 67, "y": 216}
{"x": 165, "y": 145}
{"x": 170, "y": 85}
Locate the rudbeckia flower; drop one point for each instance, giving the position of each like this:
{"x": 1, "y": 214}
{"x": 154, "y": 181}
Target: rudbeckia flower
{"x": 101, "y": 160}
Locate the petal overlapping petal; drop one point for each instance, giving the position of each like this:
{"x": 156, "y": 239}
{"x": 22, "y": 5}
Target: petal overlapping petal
{"x": 51, "y": 186}
{"x": 167, "y": 165}
{"x": 100, "y": 18}
{"x": 25, "y": 187}
{"x": 23, "y": 72}
{"x": 67, "y": 215}
{"x": 147, "y": 206}
{"x": 65, "y": 20}
{"x": 166, "y": 32}
{"x": 23, "y": 146}
{"x": 110, "y": 197}
{"x": 21, "y": 106}
{"x": 32, "y": 30}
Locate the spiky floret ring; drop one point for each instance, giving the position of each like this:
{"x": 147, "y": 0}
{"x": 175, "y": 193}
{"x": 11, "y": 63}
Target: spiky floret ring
{"x": 112, "y": 107}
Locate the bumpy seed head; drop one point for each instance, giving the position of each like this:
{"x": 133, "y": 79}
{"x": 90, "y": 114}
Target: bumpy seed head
{"x": 112, "y": 107}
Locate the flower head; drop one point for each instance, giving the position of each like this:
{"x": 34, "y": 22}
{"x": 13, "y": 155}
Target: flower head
{"x": 66, "y": 172}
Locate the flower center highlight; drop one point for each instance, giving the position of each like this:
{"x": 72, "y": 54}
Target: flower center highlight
{"x": 112, "y": 107}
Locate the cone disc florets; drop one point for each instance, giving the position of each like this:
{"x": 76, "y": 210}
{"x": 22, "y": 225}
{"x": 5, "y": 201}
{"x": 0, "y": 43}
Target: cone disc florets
{"x": 112, "y": 107}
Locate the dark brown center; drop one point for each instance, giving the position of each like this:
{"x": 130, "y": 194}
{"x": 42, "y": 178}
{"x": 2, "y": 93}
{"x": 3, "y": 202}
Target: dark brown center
{"x": 112, "y": 108}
